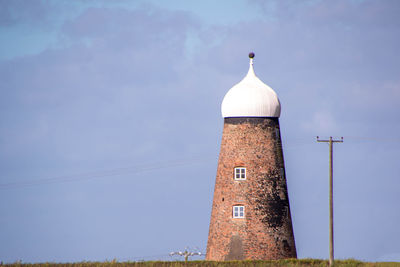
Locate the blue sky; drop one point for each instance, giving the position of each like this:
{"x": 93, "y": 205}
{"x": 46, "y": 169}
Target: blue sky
{"x": 110, "y": 122}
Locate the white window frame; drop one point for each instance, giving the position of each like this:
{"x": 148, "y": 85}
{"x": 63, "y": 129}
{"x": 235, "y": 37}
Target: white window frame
{"x": 239, "y": 173}
{"x": 238, "y": 212}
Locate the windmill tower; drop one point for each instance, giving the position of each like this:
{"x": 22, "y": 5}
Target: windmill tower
{"x": 250, "y": 216}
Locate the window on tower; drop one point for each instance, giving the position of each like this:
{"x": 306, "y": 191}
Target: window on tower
{"x": 238, "y": 211}
{"x": 240, "y": 173}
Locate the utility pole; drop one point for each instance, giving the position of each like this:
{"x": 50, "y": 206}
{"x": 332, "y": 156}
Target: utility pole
{"x": 330, "y": 141}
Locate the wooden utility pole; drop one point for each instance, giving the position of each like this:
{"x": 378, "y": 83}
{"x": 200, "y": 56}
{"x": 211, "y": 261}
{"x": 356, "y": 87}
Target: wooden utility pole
{"x": 330, "y": 141}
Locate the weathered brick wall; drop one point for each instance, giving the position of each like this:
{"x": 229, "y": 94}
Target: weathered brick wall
{"x": 266, "y": 231}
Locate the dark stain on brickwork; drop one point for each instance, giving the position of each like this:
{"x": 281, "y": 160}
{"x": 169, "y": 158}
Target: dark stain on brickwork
{"x": 267, "y": 199}
{"x": 235, "y": 249}
{"x": 286, "y": 246}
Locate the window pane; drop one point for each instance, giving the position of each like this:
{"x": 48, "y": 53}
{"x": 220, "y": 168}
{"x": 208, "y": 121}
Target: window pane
{"x": 237, "y": 173}
{"x": 243, "y": 176}
{"x": 242, "y": 170}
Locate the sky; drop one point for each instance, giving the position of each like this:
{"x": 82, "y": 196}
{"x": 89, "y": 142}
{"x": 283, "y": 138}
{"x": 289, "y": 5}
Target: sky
{"x": 110, "y": 122}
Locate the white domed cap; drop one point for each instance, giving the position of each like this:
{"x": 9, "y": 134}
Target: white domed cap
{"x": 251, "y": 98}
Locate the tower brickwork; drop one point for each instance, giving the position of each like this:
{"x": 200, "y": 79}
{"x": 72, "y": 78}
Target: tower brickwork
{"x": 266, "y": 231}
{"x": 250, "y": 216}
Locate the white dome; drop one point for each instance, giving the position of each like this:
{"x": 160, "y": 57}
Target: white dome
{"x": 251, "y": 98}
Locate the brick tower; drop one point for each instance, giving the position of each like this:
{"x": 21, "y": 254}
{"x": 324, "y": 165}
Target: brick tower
{"x": 250, "y": 216}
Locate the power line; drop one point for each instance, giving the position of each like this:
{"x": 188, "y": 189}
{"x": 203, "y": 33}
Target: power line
{"x": 300, "y": 143}
{"x": 103, "y": 173}
{"x": 374, "y": 139}
{"x": 92, "y": 175}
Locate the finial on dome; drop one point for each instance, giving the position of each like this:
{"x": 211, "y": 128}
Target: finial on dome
{"x": 251, "y": 70}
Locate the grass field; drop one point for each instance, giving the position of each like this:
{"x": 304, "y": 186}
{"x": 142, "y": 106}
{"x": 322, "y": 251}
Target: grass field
{"x": 290, "y": 262}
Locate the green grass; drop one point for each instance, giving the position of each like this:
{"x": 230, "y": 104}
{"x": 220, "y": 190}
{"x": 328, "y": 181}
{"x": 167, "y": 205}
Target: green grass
{"x": 287, "y": 262}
